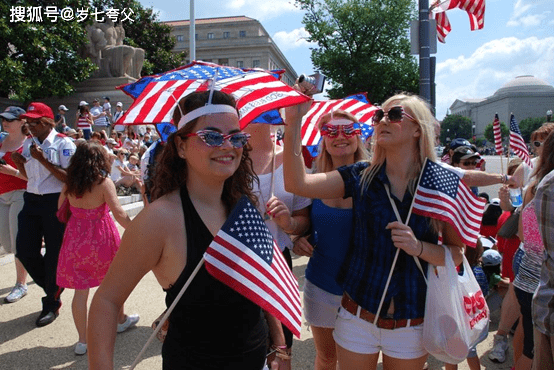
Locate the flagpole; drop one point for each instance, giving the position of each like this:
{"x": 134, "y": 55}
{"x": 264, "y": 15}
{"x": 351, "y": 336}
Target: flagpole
{"x": 167, "y": 313}
{"x": 192, "y": 33}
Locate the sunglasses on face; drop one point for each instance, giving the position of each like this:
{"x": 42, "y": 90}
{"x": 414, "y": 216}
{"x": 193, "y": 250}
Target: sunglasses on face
{"x": 470, "y": 163}
{"x": 214, "y": 138}
{"x": 395, "y": 114}
{"x": 537, "y": 144}
{"x": 33, "y": 123}
{"x": 333, "y": 131}
{"x": 7, "y": 120}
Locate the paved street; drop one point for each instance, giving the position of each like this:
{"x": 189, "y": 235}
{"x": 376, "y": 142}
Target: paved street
{"x": 24, "y": 346}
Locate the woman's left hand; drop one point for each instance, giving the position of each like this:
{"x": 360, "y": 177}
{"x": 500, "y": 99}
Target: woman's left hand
{"x": 403, "y": 237}
{"x": 279, "y": 212}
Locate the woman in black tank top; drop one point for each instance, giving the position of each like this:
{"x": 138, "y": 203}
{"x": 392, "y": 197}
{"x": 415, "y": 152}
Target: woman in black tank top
{"x": 203, "y": 171}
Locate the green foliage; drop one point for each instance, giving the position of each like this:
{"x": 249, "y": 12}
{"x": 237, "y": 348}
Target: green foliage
{"x": 528, "y": 125}
{"x": 41, "y": 59}
{"x": 504, "y": 133}
{"x": 148, "y": 33}
{"x": 362, "y": 45}
{"x": 454, "y": 126}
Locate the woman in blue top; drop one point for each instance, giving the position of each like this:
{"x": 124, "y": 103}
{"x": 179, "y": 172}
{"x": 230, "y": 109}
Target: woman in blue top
{"x": 331, "y": 219}
{"x": 403, "y": 139}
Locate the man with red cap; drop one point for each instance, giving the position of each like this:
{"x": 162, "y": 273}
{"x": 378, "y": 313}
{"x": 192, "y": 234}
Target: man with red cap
{"x": 43, "y": 161}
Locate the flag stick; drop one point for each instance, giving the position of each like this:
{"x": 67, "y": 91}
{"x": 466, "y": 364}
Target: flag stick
{"x": 167, "y": 313}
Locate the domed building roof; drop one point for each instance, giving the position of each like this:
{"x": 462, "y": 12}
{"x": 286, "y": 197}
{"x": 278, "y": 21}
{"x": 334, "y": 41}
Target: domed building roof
{"x": 525, "y": 84}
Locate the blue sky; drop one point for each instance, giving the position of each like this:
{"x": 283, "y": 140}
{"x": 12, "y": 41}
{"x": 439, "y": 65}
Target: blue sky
{"x": 518, "y": 39}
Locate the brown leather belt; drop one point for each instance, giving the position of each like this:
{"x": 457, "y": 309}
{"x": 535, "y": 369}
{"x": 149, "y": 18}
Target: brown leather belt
{"x": 349, "y": 305}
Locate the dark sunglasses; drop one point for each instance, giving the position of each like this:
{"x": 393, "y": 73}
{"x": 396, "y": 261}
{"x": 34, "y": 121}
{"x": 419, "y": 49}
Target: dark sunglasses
{"x": 7, "y": 120}
{"x": 333, "y": 131}
{"x": 537, "y": 144}
{"x": 470, "y": 163}
{"x": 395, "y": 114}
{"x": 214, "y": 138}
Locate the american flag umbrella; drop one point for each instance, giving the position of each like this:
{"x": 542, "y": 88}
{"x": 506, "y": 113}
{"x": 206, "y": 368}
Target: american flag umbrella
{"x": 256, "y": 92}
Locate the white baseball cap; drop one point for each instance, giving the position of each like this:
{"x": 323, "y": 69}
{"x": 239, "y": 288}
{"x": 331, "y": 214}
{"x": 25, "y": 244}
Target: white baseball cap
{"x": 63, "y": 107}
{"x": 83, "y": 103}
{"x": 119, "y": 104}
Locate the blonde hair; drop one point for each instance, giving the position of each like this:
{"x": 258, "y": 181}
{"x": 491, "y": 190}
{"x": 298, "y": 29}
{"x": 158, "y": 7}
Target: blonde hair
{"x": 424, "y": 118}
{"x": 324, "y": 161}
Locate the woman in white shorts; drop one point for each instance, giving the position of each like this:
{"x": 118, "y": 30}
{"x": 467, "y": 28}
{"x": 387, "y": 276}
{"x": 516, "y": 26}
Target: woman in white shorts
{"x": 331, "y": 219}
{"x": 403, "y": 140}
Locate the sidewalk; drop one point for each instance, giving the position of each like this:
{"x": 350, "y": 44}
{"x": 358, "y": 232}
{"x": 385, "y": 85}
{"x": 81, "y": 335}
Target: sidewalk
{"x": 24, "y": 346}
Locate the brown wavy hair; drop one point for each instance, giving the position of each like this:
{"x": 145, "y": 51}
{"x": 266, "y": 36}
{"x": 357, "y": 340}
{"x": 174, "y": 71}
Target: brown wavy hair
{"x": 171, "y": 170}
{"x": 89, "y": 166}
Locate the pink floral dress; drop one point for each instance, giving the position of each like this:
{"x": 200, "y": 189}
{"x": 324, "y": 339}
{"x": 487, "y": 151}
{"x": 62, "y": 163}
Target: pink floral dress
{"x": 90, "y": 243}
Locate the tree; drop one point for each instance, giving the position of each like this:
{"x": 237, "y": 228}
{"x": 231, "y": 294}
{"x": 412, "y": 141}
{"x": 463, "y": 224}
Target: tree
{"x": 504, "y": 132}
{"x": 362, "y": 45}
{"x": 454, "y": 126}
{"x": 148, "y": 33}
{"x": 528, "y": 125}
{"x": 41, "y": 59}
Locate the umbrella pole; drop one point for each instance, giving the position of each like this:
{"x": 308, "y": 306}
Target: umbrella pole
{"x": 272, "y": 193}
{"x": 167, "y": 313}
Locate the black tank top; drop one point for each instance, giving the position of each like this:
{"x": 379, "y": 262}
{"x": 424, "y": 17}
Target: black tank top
{"x": 212, "y": 326}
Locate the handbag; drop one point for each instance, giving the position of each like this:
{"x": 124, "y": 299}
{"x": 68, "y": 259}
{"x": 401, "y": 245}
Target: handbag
{"x": 162, "y": 333}
{"x": 64, "y": 212}
{"x": 456, "y": 312}
{"x": 510, "y": 226}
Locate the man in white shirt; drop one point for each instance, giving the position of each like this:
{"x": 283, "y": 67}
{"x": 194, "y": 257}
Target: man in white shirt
{"x": 99, "y": 117}
{"x": 43, "y": 161}
{"x": 117, "y": 115}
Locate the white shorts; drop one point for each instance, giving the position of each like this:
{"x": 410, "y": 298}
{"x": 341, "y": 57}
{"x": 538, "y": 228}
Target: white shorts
{"x": 320, "y": 306}
{"x": 359, "y": 336}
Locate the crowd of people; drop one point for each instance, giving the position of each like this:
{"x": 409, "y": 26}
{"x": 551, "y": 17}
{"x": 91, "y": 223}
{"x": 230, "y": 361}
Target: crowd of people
{"x": 350, "y": 214}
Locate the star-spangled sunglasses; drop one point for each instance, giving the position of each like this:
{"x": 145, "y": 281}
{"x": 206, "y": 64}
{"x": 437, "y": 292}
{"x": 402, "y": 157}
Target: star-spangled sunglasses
{"x": 332, "y": 131}
{"x": 214, "y": 138}
{"x": 394, "y": 114}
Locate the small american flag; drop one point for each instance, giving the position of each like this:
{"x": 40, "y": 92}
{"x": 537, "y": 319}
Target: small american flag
{"x": 517, "y": 143}
{"x": 244, "y": 256}
{"x": 358, "y": 105}
{"x": 497, "y": 135}
{"x": 441, "y": 194}
{"x": 475, "y": 10}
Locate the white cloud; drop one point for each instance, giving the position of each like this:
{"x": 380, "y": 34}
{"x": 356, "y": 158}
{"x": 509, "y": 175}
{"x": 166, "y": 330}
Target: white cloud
{"x": 490, "y": 66}
{"x": 520, "y": 18}
{"x": 293, "y": 39}
{"x": 261, "y": 10}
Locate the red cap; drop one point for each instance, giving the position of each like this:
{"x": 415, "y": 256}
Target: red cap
{"x": 38, "y": 110}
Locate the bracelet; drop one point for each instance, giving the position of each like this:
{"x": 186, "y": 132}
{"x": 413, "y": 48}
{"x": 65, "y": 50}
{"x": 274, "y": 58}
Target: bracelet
{"x": 504, "y": 178}
{"x": 16, "y": 173}
{"x": 421, "y": 251}
{"x": 282, "y": 352}
{"x": 294, "y": 225}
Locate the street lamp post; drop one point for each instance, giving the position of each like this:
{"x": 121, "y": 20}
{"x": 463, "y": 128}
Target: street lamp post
{"x": 549, "y": 115}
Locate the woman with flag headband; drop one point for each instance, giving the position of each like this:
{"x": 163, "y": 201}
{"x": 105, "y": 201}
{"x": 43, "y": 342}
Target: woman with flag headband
{"x": 382, "y": 192}
{"x": 203, "y": 172}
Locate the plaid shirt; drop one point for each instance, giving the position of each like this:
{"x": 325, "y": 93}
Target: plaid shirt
{"x": 543, "y": 300}
{"x": 364, "y": 273}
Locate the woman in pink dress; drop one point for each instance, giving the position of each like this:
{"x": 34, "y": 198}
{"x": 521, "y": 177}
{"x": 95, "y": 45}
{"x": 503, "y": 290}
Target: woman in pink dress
{"x": 91, "y": 238}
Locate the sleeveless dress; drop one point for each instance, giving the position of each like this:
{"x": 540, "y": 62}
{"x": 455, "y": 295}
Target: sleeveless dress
{"x": 90, "y": 243}
{"x": 212, "y": 326}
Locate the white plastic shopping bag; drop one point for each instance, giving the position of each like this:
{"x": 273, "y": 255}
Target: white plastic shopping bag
{"x": 456, "y": 313}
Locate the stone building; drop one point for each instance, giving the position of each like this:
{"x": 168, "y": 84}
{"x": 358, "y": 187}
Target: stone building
{"x": 234, "y": 41}
{"x": 524, "y": 96}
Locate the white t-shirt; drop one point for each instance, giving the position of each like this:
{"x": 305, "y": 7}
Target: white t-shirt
{"x": 293, "y": 203}
{"x": 57, "y": 149}
{"x": 100, "y": 121}
{"x": 116, "y": 173}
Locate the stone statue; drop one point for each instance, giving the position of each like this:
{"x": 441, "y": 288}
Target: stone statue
{"x": 105, "y": 48}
